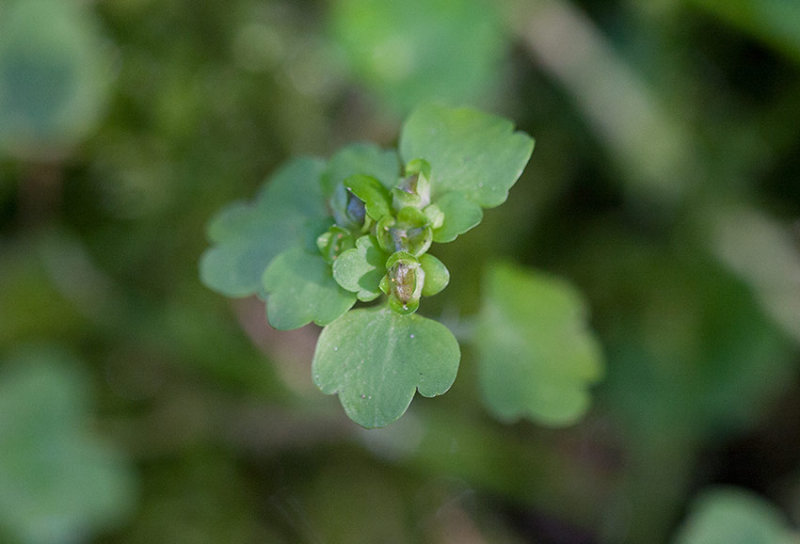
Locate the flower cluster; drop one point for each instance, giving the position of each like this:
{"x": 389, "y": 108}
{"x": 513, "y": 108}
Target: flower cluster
{"x": 398, "y": 226}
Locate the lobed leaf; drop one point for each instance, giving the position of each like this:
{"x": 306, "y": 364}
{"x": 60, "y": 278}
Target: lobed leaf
{"x": 536, "y": 357}
{"x": 359, "y": 270}
{"x": 249, "y": 236}
{"x": 460, "y": 215}
{"x": 300, "y": 289}
{"x": 469, "y": 151}
{"x": 375, "y": 359}
{"x": 361, "y": 159}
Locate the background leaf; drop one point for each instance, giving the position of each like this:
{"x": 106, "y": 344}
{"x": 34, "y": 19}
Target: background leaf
{"x": 421, "y": 50}
{"x": 58, "y": 480}
{"x": 55, "y": 75}
{"x": 376, "y": 359}
{"x": 249, "y": 236}
{"x": 772, "y": 21}
{"x": 469, "y": 151}
{"x": 734, "y": 516}
{"x": 536, "y": 355}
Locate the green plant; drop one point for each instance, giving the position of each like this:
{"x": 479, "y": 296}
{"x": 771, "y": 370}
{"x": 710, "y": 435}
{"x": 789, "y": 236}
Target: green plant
{"x": 323, "y": 236}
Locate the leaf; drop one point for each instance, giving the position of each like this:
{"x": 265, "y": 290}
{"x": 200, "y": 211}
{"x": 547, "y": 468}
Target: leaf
{"x": 437, "y": 276}
{"x": 301, "y": 289}
{"x": 57, "y": 478}
{"x": 734, "y": 516}
{"x": 460, "y": 215}
{"x": 54, "y": 84}
{"x": 360, "y": 269}
{"x": 536, "y": 356}
{"x": 420, "y": 50}
{"x": 249, "y": 236}
{"x": 375, "y": 359}
{"x": 469, "y": 151}
{"x": 361, "y": 158}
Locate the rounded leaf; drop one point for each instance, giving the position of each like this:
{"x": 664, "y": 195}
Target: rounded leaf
{"x": 301, "y": 289}
{"x": 375, "y": 359}
{"x": 727, "y": 515}
{"x": 58, "y": 477}
{"x": 249, "y": 236}
{"x": 361, "y": 158}
{"x": 469, "y": 151}
{"x": 360, "y": 269}
{"x": 460, "y": 215}
{"x": 536, "y": 355}
{"x": 55, "y": 75}
{"x": 437, "y": 276}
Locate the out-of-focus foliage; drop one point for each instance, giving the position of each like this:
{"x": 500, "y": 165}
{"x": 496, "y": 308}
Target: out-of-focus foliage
{"x": 773, "y": 21}
{"x": 419, "y": 50}
{"x": 55, "y": 70}
{"x": 732, "y": 516}
{"x": 57, "y": 480}
{"x": 665, "y": 187}
{"x": 536, "y": 357}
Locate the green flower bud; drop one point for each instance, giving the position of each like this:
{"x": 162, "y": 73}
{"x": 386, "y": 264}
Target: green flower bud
{"x": 403, "y": 282}
{"x": 411, "y": 232}
{"x": 414, "y": 190}
{"x": 349, "y": 211}
{"x": 334, "y": 242}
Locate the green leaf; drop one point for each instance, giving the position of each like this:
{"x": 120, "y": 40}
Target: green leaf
{"x": 536, "y": 356}
{"x": 57, "y": 478}
{"x": 469, "y": 151}
{"x": 249, "y": 236}
{"x": 437, "y": 276}
{"x": 420, "y": 50}
{"x": 376, "y": 197}
{"x": 361, "y": 158}
{"x": 301, "y": 289}
{"x": 460, "y": 215}
{"x": 375, "y": 359}
{"x": 54, "y": 84}
{"x": 360, "y": 270}
{"x": 734, "y": 516}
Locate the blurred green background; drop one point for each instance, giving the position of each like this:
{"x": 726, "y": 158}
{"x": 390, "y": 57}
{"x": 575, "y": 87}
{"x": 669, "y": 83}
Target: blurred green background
{"x": 138, "y": 406}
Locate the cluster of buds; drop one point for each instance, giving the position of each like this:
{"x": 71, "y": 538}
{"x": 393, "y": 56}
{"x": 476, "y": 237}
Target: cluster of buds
{"x": 400, "y": 222}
